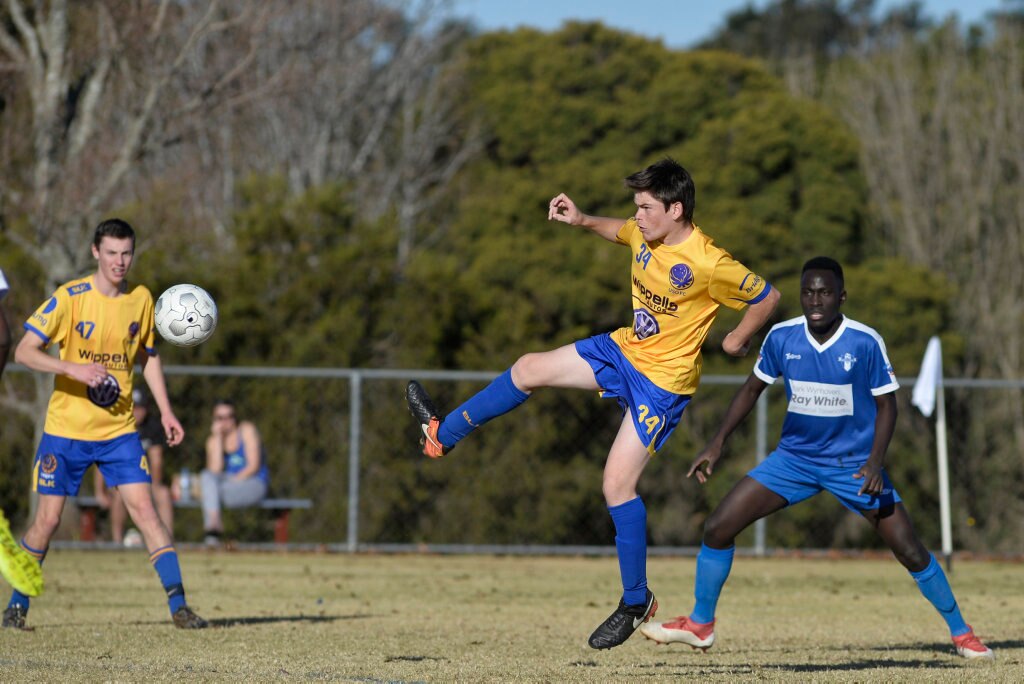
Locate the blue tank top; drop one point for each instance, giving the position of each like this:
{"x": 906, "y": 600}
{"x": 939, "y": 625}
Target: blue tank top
{"x": 234, "y": 462}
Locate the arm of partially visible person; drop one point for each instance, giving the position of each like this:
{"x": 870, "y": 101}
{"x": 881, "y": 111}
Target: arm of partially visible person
{"x": 737, "y": 342}
{"x": 739, "y": 408}
{"x": 253, "y": 450}
{"x": 5, "y": 338}
{"x": 155, "y": 456}
{"x": 885, "y": 426}
{"x": 562, "y": 208}
{"x": 5, "y": 331}
{"x": 153, "y": 371}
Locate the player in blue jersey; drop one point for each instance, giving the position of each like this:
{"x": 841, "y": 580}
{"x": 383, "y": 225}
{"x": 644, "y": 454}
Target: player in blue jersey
{"x": 20, "y": 569}
{"x": 679, "y": 279}
{"x": 841, "y": 416}
{"x": 103, "y": 327}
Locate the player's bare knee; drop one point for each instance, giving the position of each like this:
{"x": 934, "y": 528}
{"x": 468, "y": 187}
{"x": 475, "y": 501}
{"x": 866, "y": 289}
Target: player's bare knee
{"x": 717, "y": 534}
{"x": 617, "y": 490}
{"x": 525, "y": 372}
{"x": 911, "y": 554}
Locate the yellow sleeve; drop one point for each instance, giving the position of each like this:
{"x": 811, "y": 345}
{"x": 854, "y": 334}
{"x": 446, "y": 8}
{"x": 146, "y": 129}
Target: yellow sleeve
{"x": 626, "y": 232}
{"x": 736, "y": 286}
{"x": 52, "y": 319}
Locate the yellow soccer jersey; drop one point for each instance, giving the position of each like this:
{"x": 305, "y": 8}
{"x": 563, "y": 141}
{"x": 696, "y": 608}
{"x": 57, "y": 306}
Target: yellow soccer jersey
{"x": 676, "y": 293}
{"x": 90, "y": 327}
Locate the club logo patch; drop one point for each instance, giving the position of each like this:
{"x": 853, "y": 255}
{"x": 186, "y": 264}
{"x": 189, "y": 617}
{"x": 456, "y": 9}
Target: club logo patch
{"x": 680, "y": 277}
{"x": 48, "y": 464}
{"x": 133, "y": 330}
{"x": 847, "y": 360}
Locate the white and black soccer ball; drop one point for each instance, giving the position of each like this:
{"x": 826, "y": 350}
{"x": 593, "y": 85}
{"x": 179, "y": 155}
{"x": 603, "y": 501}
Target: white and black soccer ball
{"x": 186, "y": 315}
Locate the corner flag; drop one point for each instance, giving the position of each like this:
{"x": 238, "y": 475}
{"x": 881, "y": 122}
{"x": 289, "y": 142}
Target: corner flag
{"x": 929, "y": 397}
{"x": 929, "y": 378}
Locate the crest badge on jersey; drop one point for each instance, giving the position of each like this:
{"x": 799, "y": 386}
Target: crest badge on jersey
{"x": 680, "y": 277}
{"x": 847, "y": 360}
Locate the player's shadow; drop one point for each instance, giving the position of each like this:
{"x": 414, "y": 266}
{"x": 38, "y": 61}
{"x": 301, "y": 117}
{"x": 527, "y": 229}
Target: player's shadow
{"x": 272, "y": 619}
{"x": 947, "y": 647}
{"x": 857, "y": 665}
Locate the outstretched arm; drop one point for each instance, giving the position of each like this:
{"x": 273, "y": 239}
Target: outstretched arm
{"x": 885, "y": 425}
{"x": 737, "y": 342}
{"x": 562, "y": 208}
{"x": 739, "y": 407}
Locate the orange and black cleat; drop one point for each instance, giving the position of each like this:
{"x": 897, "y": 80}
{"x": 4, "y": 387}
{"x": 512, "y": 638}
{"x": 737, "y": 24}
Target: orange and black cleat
{"x": 423, "y": 410}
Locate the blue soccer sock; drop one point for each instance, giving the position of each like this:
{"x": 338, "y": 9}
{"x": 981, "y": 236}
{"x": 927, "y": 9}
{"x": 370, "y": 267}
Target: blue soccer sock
{"x": 630, "y": 521}
{"x": 933, "y": 584}
{"x": 498, "y": 398}
{"x": 713, "y": 567}
{"x": 17, "y": 598}
{"x": 165, "y": 561}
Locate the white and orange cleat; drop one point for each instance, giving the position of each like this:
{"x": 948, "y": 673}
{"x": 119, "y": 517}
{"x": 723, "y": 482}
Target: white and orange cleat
{"x": 682, "y": 630}
{"x": 970, "y": 646}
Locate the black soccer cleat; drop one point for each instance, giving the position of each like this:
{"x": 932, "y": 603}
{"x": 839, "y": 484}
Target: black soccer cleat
{"x": 621, "y": 624}
{"x": 14, "y": 617}
{"x": 184, "y": 618}
{"x": 423, "y": 410}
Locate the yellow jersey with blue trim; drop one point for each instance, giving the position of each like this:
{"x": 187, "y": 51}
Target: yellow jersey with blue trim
{"x": 90, "y": 327}
{"x": 677, "y": 290}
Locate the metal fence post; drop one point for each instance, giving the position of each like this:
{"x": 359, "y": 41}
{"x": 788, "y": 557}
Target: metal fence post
{"x": 762, "y": 452}
{"x": 354, "y": 438}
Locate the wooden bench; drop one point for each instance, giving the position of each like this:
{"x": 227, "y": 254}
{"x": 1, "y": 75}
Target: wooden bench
{"x": 89, "y": 508}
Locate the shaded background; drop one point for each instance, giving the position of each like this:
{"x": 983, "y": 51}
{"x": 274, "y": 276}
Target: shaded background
{"x": 364, "y": 185}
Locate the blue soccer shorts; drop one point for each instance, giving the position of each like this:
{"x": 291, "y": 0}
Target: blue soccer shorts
{"x": 61, "y": 462}
{"x": 796, "y": 479}
{"x": 655, "y": 411}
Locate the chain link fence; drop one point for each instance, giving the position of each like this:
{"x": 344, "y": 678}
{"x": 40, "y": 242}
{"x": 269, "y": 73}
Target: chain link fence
{"x": 531, "y": 480}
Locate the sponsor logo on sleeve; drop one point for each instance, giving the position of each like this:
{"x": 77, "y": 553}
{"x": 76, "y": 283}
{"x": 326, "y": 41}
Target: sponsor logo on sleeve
{"x": 750, "y": 283}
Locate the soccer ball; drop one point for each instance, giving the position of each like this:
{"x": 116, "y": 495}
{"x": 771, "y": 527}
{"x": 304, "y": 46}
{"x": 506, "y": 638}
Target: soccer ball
{"x": 186, "y": 315}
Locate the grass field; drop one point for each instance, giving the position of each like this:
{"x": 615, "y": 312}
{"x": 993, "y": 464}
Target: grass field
{"x": 403, "y": 618}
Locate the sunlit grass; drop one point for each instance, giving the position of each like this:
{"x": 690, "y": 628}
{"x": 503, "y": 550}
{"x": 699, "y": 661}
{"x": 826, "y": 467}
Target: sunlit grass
{"x": 481, "y": 618}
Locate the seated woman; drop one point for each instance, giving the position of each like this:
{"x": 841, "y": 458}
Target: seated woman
{"x": 236, "y": 471}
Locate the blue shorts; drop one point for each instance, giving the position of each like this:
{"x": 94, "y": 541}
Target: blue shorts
{"x": 795, "y": 479}
{"x": 61, "y": 462}
{"x": 655, "y": 411}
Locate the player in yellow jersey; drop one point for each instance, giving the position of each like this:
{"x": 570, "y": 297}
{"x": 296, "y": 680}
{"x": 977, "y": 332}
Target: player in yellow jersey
{"x": 679, "y": 278}
{"x": 103, "y": 327}
{"x": 20, "y": 569}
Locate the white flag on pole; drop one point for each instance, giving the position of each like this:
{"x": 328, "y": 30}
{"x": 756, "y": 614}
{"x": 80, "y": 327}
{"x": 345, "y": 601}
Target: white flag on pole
{"x": 929, "y": 377}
